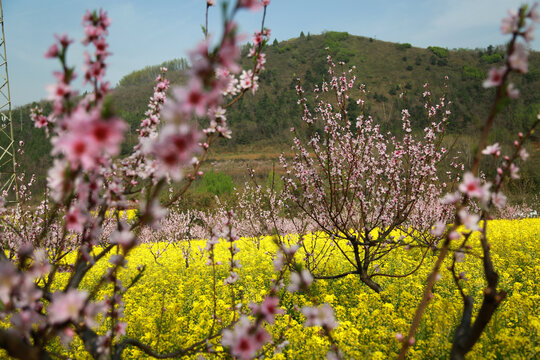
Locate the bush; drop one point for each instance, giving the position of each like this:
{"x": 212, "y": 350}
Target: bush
{"x": 439, "y": 51}
{"x": 492, "y": 58}
{"x": 403, "y": 46}
{"x": 216, "y": 183}
{"x": 471, "y": 72}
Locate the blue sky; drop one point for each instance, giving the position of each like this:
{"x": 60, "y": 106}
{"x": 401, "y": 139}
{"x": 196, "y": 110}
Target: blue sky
{"x": 149, "y": 32}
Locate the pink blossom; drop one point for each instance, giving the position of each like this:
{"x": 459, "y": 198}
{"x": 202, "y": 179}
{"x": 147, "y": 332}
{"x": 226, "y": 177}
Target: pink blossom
{"x": 514, "y": 171}
{"x": 52, "y": 52}
{"x": 245, "y": 340}
{"x": 528, "y": 35}
{"x": 471, "y": 186}
{"x": 174, "y": 148}
{"x": 300, "y": 280}
{"x": 229, "y": 53}
{"x": 108, "y": 134}
{"x": 125, "y": 238}
{"x": 269, "y": 308}
{"x": 63, "y": 39}
{"x": 470, "y": 221}
{"x": 253, "y": 5}
{"x": 494, "y": 150}
{"x": 450, "y": 198}
{"x": 190, "y": 99}
{"x": 58, "y": 91}
{"x": 523, "y": 154}
{"x": 210, "y": 2}
{"x": 518, "y": 59}
{"x": 75, "y": 219}
{"x": 510, "y": 24}
{"x": 498, "y": 199}
{"x": 233, "y": 278}
{"x": 77, "y": 150}
{"x": 66, "y": 306}
{"x": 320, "y": 316}
{"x": 512, "y": 91}
{"x": 495, "y": 77}
{"x": 438, "y": 229}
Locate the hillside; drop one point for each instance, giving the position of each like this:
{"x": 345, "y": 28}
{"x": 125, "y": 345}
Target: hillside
{"x": 386, "y": 68}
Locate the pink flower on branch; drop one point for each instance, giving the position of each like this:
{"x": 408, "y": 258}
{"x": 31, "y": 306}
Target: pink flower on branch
{"x": 471, "y": 186}
{"x": 174, "y": 149}
{"x": 519, "y": 58}
{"x": 495, "y": 77}
{"x": 66, "y": 306}
{"x": 245, "y": 339}
{"x": 470, "y": 221}
{"x": 509, "y": 24}
{"x": 320, "y": 316}
{"x": 268, "y": 309}
{"x": 253, "y": 5}
{"x": 494, "y": 150}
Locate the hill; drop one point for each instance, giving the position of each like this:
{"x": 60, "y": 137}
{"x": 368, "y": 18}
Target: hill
{"x": 387, "y": 69}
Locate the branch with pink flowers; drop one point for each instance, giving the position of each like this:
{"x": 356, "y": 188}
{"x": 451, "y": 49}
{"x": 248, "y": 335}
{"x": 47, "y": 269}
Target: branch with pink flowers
{"x": 519, "y": 24}
{"x": 88, "y": 180}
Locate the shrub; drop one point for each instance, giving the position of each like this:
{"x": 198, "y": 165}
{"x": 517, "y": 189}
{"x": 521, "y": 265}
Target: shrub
{"x": 439, "y": 51}
{"x": 216, "y": 183}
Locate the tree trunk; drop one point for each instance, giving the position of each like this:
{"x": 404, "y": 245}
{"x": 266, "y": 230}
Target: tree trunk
{"x": 372, "y": 284}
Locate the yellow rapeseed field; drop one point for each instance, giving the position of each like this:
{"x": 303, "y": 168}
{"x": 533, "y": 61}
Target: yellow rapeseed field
{"x": 171, "y": 306}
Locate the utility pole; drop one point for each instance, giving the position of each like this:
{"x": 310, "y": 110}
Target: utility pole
{"x": 8, "y": 165}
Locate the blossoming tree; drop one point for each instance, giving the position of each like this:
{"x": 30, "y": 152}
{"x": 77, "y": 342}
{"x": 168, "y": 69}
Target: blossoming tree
{"x": 88, "y": 180}
{"x": 360, "y": 185}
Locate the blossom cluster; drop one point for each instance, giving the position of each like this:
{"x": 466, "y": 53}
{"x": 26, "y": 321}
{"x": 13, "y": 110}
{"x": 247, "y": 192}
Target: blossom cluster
{"x": 88, "y": 187}
{"x": 517, "y": 57}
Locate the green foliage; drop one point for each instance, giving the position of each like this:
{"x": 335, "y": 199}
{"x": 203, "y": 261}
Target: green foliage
{"x": 336, "y": 36}
{"x": 439, "y": 51}
{"x": 216, "y": 183}
{"x": 344, "y": 55}
{"x": 275, "y": 43}
{"x": 472, "y": 72}
{"x": 403, "y": 46}
{"x": 532, "y": 75}
{"x": 332, "y": 39}
{"x": 442, "y": 62}
{"x": 492, "y": 58}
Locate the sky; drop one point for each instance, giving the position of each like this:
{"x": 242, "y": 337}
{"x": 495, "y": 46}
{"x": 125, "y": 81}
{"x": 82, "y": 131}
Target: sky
{"x": 150, "y": 32}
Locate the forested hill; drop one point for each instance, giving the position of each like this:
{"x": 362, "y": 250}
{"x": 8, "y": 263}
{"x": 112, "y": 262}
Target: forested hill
{"x": 386, "y": 68}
